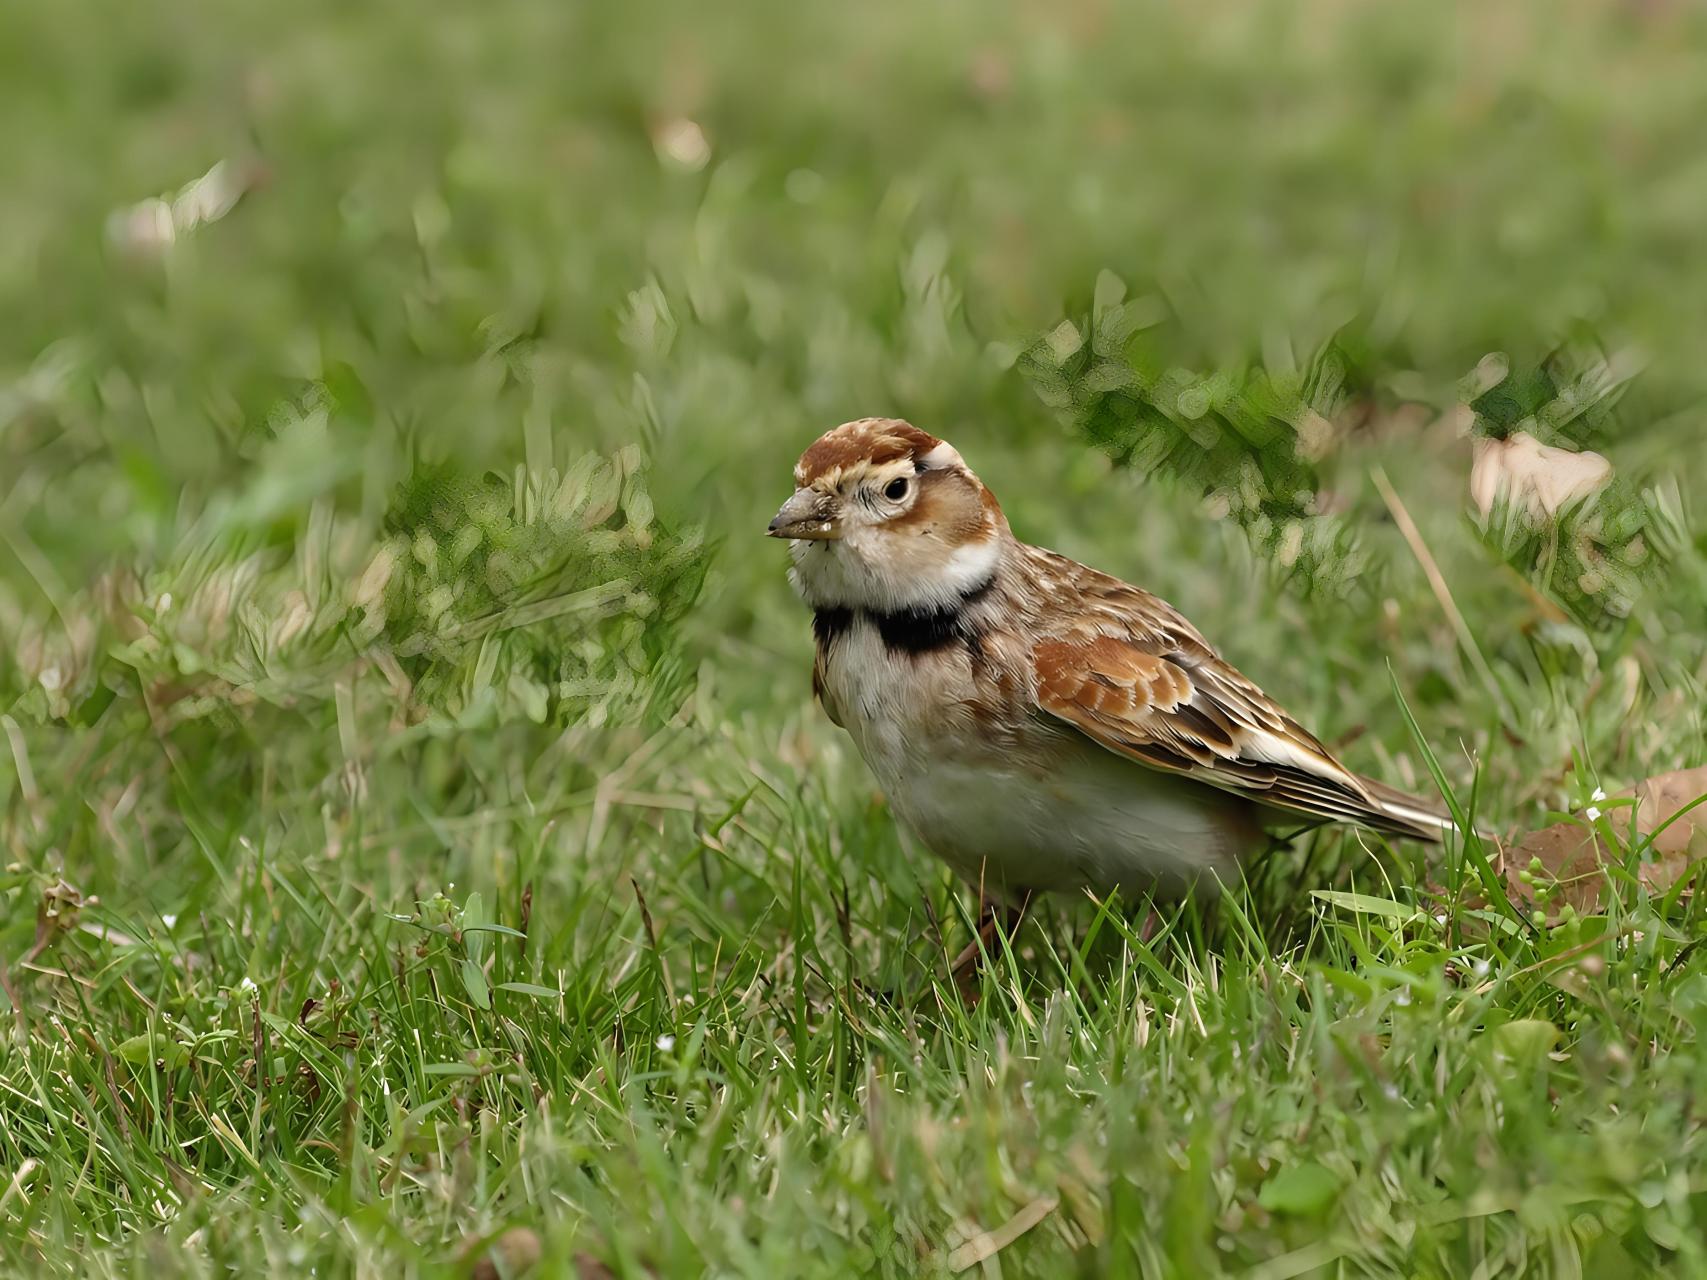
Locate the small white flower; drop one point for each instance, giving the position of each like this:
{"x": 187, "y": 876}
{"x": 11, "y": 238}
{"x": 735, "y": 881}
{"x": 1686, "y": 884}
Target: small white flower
{"x": 164, "y": 602}
{"x": 169, "y": 920}
{"x": 1480, "y": 968}
{"x": 247, "y": 984}
{"x": 666, "y": 1042}
{"x": 1592, "y": 814}
{"x": 1598, "y": 795}
{"x": 1440, "y": 919}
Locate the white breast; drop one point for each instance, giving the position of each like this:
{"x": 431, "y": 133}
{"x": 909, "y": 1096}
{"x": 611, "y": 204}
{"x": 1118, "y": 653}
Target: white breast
{"x": 1059, "y": 812}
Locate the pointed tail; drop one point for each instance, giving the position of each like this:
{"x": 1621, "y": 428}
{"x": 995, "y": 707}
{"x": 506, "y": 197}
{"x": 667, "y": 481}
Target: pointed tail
{"x": 1401, "y": 814}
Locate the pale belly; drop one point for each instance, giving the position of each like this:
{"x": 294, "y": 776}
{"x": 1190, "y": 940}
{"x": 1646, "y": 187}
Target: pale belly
{"x": 1092, "y": 823}
{"x": 1056, "y": 812}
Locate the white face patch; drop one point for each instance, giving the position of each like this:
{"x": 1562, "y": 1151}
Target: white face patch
{"x": 941, "y": 457}
{"x": 868, "y": 569}
{"x": 970, "y": 566}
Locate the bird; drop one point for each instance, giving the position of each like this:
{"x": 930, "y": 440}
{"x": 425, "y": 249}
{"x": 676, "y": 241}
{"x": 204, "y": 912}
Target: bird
{"x": 1038, "y": 725}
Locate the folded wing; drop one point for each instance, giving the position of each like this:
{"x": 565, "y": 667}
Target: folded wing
{"x": 1161, "y": 697}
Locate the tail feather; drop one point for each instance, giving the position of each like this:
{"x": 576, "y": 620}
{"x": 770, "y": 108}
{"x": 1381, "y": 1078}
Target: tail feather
{"x": 1399, "y": 813}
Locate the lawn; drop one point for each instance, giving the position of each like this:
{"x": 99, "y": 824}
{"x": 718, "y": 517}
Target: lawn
{"x": 422, "y": 854}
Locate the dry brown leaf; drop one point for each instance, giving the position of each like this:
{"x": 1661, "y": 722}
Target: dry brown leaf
{"x": 1667, "y": 794}
{"x": 1573, "y": 854}
{"x": 56, "y": 913}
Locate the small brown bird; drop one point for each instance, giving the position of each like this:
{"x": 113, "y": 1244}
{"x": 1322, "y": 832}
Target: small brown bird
{"x": 1037, "y": 724}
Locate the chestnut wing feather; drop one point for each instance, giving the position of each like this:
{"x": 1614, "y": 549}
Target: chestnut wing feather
{"x": 1180, "y": 708}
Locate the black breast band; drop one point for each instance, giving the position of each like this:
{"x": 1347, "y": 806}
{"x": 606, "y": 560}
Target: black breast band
{"x": 914, "y": 630}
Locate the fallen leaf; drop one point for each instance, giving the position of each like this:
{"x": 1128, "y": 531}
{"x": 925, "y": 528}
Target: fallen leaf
{"x": 1666, "y": 794}
{"x": 152, "y": 226}
{"x": 1535, "y": 477}
{"x": 1572, "y": 855}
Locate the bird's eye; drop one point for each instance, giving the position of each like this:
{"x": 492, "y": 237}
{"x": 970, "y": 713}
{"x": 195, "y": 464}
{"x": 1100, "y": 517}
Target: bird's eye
{"x": 896, "y": 489}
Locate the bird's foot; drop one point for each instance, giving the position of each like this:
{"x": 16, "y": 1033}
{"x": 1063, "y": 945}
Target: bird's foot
{"x": 996, "y": 921}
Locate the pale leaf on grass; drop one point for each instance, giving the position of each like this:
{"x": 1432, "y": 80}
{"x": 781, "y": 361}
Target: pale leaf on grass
{"x": 1537, "y": 478}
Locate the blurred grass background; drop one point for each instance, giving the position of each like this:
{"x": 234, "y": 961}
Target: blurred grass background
{"x": 379, "y": 557}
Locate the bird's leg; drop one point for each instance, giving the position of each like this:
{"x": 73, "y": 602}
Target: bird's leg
{"x": 995, "y": 920}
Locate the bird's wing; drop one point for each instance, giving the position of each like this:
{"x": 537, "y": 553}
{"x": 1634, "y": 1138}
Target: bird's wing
{"x": 1140, "y": 681}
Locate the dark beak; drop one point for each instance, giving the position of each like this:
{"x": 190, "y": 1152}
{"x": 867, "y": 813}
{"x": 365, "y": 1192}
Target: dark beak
{"x": 808, "y": 516}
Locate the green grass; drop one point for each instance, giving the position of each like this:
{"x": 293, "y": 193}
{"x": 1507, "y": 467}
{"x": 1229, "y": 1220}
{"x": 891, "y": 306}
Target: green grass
{"x": 416, "y": 825}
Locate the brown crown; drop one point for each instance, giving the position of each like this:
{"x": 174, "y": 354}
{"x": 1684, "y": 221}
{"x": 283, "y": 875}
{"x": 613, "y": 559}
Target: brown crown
{"x": 865, "y": 442}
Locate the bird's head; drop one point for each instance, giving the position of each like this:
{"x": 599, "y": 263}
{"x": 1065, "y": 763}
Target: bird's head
{"x": 887, "y": 517}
